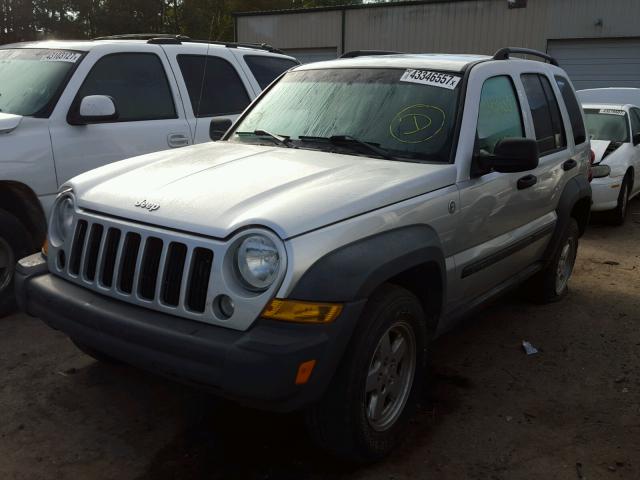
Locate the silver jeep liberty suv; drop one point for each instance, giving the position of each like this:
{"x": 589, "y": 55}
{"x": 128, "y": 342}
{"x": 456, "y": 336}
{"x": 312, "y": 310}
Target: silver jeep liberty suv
{"x": 355, "y": 211}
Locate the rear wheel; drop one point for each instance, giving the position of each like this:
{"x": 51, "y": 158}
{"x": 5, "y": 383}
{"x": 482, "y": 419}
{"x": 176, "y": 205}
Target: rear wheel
{"x": 552, "y": 283}
{"x": 618, "y": 215}
{"x": 14, "y": 244}
{"x": 366, "y": 409}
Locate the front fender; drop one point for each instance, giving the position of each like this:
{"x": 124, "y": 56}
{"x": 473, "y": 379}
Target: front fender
{"x": 353, "y": 271}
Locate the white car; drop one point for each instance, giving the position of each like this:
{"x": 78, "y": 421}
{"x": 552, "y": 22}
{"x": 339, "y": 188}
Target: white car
{"x": 70, "y": 106}
{"x": 614, "y": 128}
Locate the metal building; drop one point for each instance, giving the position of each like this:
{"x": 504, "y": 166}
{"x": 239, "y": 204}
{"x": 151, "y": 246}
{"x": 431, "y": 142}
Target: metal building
{"x": 596, "y": 41}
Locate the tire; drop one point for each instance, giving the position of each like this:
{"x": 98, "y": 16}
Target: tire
{"x": 618, "y": 215}
{"x": 340, "y": 422}
{"x": 551, "y": 284}
{"x": 15, "y": 243}
{"x": 95, "y": 354}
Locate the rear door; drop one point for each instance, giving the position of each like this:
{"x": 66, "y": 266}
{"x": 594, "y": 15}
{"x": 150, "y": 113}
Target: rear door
{"x": 213, "y": 85}
{"x": 151, "y": 116}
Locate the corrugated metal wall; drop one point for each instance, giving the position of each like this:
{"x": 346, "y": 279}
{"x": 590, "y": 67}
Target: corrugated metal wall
{"x": 474, "y": 26}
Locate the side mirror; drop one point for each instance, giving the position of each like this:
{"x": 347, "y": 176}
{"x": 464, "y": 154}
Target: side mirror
{"x": 511, "y": 155}
{"x": 217, "y": 128}
{"x": 636, "y": 138}
{"x": 96, "y": 109}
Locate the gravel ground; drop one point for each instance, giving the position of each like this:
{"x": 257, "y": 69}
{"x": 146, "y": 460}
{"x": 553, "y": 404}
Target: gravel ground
{"x": 571, "y": 411}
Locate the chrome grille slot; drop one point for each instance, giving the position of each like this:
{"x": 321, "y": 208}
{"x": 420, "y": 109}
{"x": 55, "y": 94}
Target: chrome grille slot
{"x": 128, "y": 262}
{"x": 77, "y": 247}
{"x": 112, "y": 243}
{"x": 93, "y": 248}
{"x": 173, "y": 273}
{"x": 200, "y": 270}
{"x": 149, "y": 268}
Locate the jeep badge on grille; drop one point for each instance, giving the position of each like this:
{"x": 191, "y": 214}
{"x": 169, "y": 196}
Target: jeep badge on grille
{"x": 148, "y": 205}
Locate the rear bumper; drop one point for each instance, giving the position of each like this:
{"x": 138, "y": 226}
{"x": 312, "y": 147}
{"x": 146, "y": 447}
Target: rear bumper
{"x": 257, "y": 367}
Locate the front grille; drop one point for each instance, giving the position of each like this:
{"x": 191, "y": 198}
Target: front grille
{"x": 141, "y": 265}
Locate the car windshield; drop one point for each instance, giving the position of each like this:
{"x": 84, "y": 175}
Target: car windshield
{"x": 607, "y": 124}
{"x": 392, "y": 113}
{"x": 30, "y": 78}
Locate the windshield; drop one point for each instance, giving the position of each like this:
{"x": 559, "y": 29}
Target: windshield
{"x": 404, "y": 113}
{"x": 607, "y": 124}
{"x": 31, "y": 78}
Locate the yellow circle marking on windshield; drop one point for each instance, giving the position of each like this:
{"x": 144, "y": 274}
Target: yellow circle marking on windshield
{"x": 417, "y": 123}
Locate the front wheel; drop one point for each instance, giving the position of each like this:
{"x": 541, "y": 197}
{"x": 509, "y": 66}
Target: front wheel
{"x": 365, "y": 410}
{"x": 14, "y": 244}
{"x": 618, "y": 215}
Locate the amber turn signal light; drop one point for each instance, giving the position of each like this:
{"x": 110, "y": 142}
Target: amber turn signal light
{"x": 45, "y": 247}
{"x": 304, "y": 372}
{"x": 301, "y": 312}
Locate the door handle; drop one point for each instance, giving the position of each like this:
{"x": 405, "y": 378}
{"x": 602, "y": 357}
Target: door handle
{"x": 527, "y": 181}
{"x": 176, "y": 140}
{"x": 569, "y": 164}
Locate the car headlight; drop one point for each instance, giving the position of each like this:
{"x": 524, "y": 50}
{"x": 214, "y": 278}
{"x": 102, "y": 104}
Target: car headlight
{"x": 258, "y": 262}
{"x": 599, "y": 171}
{"x": 62, "y": 219}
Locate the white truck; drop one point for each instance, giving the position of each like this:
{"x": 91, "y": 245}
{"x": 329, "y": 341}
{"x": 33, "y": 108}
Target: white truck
{"x": 70, "y": 106}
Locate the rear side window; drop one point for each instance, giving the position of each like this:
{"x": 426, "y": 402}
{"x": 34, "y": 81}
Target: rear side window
{"x": 137, "y": 83}
{"x": 545, "y": 111}
{"x": 214, "y": 86}
{"x": 499, "y": 115}
{"x": 573, "y": 107}
{"x": 267, "y": 69}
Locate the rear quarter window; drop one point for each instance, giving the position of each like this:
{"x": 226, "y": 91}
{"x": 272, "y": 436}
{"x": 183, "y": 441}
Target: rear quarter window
{"x": 267, "y": 69}
{"x": 573, "y": 107}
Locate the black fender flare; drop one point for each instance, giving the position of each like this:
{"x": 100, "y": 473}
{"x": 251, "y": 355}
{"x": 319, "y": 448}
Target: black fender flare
{"x": 353, "y": 271}
{"x": 576, "y": 189}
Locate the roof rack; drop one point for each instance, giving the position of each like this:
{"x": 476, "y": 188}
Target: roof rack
{"x": 367, "y": 53}
{"x": 172, "y": 39}
{"x": 504, "y": 53}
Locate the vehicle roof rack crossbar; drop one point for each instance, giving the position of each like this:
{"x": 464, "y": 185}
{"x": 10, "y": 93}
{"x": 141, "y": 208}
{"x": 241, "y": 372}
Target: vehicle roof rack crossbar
{"x": 504, "y": 54}
{"x": 165, "y": 38}
{"x": 367, "y": 53}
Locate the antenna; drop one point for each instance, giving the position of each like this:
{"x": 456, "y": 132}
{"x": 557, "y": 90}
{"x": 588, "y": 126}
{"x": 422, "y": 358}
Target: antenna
{"x": 204, "y": 74}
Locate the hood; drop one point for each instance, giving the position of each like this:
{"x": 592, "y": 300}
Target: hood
{"x": 214, "y": 189}
{"x": 599, "y": 148}
{"x": 9, "y": 122}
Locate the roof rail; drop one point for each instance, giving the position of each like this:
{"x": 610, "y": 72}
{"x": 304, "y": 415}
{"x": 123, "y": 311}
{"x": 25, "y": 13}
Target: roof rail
{"x": 504, "y": 53}
{"x": 367, "y": 53}
{"x": 164, "y": 38}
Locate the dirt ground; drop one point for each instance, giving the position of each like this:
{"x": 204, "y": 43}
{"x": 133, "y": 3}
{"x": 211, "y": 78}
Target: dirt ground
{"x": 571, "y": 411}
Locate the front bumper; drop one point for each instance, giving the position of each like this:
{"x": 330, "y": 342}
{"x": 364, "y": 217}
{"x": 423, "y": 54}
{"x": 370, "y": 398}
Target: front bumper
{"x": 606, "y": 191}
{"x": 256, "y": 367}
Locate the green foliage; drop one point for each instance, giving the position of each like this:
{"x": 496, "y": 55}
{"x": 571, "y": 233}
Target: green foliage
{"x": 204, "y": 19}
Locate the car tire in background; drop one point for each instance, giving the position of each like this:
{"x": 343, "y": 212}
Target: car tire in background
{"x": 552, "y": 283}
{"x": 366, "y": 408}
{"x": 15, "y": 243}
{"x": 618, "y": 215}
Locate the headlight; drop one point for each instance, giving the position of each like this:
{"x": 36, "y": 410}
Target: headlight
{"x": 599, "y": 171}
{"x": 258, "y": 262}
{"x": 62, "y": 219}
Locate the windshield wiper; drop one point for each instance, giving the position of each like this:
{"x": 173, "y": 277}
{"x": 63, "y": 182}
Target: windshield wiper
{"x": 348, "y": 140}
{"x": 279, "y": 139}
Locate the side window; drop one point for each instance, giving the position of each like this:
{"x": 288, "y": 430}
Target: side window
{"x": 635, "y": 121}
{"x": 137, "y": 83}
{"x": 267, "y": 69}
{"x": 574, "y": 109}
{"x": 499, "y": 115}
{"x": 216, "y": 91}
{"x": 545, "y": 111}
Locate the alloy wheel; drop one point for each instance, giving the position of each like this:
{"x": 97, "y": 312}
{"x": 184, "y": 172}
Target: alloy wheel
{"x": 390, "y": 376}
{"x": 7, "y": 264}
